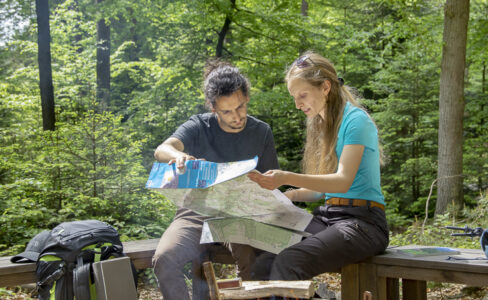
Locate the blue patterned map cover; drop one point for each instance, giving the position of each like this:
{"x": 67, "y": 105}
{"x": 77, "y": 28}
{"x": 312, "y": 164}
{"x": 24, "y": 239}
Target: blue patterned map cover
{"x": 196, "y": 173}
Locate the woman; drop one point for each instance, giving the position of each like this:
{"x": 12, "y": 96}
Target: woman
{"x": 342, "y": 162}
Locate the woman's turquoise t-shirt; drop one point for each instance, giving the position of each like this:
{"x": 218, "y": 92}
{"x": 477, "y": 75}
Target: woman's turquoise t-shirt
{"x": 357, "y": 128}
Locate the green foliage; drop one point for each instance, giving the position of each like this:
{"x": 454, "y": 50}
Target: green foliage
{"x": 6, "y": 293}
{"x": 87, "y": 170}
{"x": 277, "y": 108}
{"x": 95, "y": 164}
{"x": 406, "y": 110}
{"x": 434, "y": 233}
{"x": 475, "y": 156}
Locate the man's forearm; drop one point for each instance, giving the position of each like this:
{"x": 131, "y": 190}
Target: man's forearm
{"x": 170, "y": 149}
{"x": 165, "y": 153}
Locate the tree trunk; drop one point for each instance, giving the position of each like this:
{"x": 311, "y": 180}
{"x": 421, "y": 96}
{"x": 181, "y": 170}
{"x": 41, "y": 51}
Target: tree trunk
{"x": 482, "y": 121}
{"x": 304, "y": 45}
{"x": 451, "y": 105}
{"x": 135, "y": 38}
{"x": 223, "y": 32}
{"x": 103, "y": 63}
{"x": 44, "y": 60}
{"x": 304, "y": 8}
{"x": 75, "y": 7}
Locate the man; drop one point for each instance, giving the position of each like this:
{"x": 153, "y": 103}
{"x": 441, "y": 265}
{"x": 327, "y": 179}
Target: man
{"x": 226, "y": 134}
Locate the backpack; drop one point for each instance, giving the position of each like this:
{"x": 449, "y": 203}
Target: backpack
{"x": 63, "y": 266}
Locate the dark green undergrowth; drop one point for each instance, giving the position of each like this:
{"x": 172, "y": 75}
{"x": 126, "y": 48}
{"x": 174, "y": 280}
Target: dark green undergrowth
{"x": 434, "y": 233}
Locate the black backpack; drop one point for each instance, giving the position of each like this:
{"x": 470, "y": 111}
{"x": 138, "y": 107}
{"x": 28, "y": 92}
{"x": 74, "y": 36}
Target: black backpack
{"x": 63, "y": 266}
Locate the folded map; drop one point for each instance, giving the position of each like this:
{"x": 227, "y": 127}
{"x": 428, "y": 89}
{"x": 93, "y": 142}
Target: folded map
{"x": 239, "y": 210}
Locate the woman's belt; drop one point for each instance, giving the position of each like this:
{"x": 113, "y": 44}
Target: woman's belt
{"x": 354, "y": 202}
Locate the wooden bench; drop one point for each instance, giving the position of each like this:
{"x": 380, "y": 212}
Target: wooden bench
{"x": 140, "y": 253}
{"x": 381, "y": 274}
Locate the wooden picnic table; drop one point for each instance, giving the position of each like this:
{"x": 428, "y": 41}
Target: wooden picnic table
{"x": 381, "y": 274}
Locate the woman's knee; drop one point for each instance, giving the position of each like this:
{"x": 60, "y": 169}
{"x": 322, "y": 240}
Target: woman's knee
{"x": 262, "y": 266}
{"x": 288, "y": 266}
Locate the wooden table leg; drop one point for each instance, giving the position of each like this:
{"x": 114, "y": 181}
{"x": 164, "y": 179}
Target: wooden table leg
{"x": 350, "y": 282}
{"x": 382, "y": 289}
{"x": 392, "y": 288}
{"x": 414, "y": 289}
{"x": 368, "y": 280}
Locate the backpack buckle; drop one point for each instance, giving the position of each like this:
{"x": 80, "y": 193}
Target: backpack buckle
{"x": 49, "y": 280}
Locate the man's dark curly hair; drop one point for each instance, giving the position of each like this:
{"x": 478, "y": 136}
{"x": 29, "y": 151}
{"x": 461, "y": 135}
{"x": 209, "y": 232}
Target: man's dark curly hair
{"x": 222, "y": 79}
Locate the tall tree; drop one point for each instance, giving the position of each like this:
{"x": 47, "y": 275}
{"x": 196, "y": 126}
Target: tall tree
{"x": 44, "y": 59}
{"x": 304, "y": 8}
{"x": 224, "y": 30}
{"x": 103, "y": 62}
{"x": 451, "y": 105}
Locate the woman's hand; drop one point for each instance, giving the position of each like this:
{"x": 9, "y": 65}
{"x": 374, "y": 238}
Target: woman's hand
{"x": 269, "y": 180}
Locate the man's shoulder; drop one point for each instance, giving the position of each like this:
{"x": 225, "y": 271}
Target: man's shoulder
{"x": 254, "y": 122}
{"x": 201, "y": 119}
{"x": 195, "y": 124}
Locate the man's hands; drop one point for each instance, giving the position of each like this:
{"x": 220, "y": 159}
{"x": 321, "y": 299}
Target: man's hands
{"x": 269, "y": 180}
{"x": 181, "y": 160}
{"x": 171, "y": 151}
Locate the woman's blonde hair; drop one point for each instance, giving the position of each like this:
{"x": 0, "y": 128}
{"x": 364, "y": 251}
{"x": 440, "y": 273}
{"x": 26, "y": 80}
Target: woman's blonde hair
{"x": 320, "y": 156}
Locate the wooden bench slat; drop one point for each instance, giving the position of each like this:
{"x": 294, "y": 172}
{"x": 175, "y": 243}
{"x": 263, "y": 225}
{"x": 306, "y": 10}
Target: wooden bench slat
{"x": 475, "y": 279}
{"x": 140, "y": 253}
{"x": 433, "y": 262}
{"x": 7, "y": 268}
{"x": 17, "y": 279}
{"x": 380, "y": 273}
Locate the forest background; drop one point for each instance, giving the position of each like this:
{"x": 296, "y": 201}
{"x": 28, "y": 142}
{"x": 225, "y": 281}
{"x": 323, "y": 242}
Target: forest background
{"x": 95, "y": 162}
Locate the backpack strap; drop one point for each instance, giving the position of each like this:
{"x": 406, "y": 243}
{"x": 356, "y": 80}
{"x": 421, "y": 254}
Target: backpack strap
{"x": 43, "y": 286}
{"x": 49, "y": 280}
{"x": 81, "y": 280}
{"x": 45, "y": 283}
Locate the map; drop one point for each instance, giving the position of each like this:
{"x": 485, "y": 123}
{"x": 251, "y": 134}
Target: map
{"x": 239, "y": 210}
{"x": 247, "y": 231}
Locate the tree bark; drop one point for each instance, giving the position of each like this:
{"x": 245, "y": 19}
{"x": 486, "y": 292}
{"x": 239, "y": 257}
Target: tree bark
{"x": 103, "y": 63}
{"x": 451, "y": 105}
{"x": 304, "y": 8}
{"x": 304, "y": 45}
{"x": 75, "y": 7}
{"x": 44, "y": 60}
{"x": 223, "y": 32}
{"x": 135, "y": 38}
{"x": 482, "y": 121}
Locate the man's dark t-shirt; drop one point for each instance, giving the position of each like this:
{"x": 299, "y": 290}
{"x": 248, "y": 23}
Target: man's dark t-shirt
{"x": 202, "y": 137}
